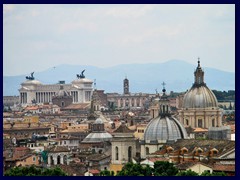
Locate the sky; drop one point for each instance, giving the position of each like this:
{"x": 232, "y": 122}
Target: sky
{"x": 38, "y": 37}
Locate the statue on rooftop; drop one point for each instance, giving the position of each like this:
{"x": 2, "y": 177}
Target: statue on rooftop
{"x": 30, "y": 77}
{"x": 81, "y": 75}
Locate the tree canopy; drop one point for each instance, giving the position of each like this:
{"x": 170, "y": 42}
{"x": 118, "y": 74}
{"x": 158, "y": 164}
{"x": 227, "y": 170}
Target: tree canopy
{"x": 34, "y": 171}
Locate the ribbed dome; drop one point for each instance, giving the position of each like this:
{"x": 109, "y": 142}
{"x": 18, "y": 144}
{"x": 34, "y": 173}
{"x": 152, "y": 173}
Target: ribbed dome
{"x": 98, "y": 137}
{"x": 199, "y": 97}
{"x": 164, "y": 129}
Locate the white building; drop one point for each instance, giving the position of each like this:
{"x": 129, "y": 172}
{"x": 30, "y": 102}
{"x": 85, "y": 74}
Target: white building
{"x": 33, "y": 91}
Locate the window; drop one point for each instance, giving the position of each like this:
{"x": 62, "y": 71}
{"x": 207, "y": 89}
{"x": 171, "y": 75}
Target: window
{"x": 129, "y": 153}
{"x": 147, "y": 150}
{"x": 62, "y": 104}
{"x": 213, "y": 122}
{"x": 199, "y": 122}
{"x": 187, "y": 123}
{"x": 116, "y": 151}
{"x": 34, "y": 159}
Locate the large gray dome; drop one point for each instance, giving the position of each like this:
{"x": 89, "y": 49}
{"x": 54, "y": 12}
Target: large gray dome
{"x": 164, "y": 129}
{"x": 199, "y": 97}
{"x": 97, "y": 137}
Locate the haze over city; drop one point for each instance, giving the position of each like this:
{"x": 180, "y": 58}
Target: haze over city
{"x": 38, "y": 37}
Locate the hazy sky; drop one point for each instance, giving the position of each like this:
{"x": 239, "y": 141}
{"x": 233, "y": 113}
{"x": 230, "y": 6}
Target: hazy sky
{"x": 38, "y": 37}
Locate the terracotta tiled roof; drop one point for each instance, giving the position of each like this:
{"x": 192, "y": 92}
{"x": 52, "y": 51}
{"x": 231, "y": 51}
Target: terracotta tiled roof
{"x": 123, "y": 129}
{"x": 77, "y": 106}
{"x": 58, "y": 149}
{"x": 94, "y": 171}
{"x": 158, "y": 159}
{"x": 32, "y": 108}
{"x": 221, "y": 145}
{"x": 224, "y": 167}
{"x": 97, "y": 157}
{"x": 186, "y": 165}
{"x": 198, "y": 130}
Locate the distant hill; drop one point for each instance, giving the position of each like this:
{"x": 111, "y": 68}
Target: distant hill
{"x": 177, "y": 74}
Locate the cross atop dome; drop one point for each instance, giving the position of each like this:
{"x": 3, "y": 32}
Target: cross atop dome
{"x": 163, "y": 84}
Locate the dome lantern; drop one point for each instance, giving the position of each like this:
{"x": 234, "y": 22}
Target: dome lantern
{"x": 164, "y": 103}
{"x": 199, "y": 75}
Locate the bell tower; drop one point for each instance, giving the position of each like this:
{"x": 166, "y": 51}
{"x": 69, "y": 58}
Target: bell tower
{"x": 126, "y": 86}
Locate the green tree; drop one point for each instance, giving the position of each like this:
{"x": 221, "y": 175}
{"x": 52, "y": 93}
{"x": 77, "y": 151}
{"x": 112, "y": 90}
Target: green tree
{"x": 206, "y": 173}
{"x": 106, "y": 173}
{"x": 162, "y": 168}
{"x": 187, "y": 173}
{"x": 34, "y": 171}
{"x": 131, "y": 169}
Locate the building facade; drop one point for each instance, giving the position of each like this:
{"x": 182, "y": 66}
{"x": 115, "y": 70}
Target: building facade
{"x": 34, "y": 92}
{"x": 128, "y": 100}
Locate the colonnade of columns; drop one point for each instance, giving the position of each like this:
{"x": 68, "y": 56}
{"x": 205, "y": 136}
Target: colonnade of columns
{"x": 54, "y": 159}
{"x": 42, "y": 97}
{"x": 74, "y": 94}
{"x": 23, "y": 98}
{"x": 131, "y": 102}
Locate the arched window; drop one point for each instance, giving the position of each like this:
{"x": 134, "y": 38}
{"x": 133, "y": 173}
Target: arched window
{"x": 63, "y": 104}
{"x": 116, "y": 151}
{"x": 187, "y": 123}
{"x": 51, "y": 160}
{"x": 147, "y": 150}
{"x": 58, "y": 159}
{"x": 129, "y": 153}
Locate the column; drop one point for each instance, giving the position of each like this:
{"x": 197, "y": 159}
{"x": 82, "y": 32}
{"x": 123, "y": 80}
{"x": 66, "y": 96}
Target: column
{"x": 55, "y": 159}
{"x": 25, "y": 98}
{"x": 77, "y": 96}
{"x": 49, "y": 160}
{"x": 36, "y": 97}
{"x": 61, "y": 159}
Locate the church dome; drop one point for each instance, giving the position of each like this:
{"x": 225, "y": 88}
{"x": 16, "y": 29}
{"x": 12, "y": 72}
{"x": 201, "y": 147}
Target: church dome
{"x": 98, "y": 133}
{"x": 97, "y": 137}
{"x": 163, "y": 129}
{"x": 199, "y": 97}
